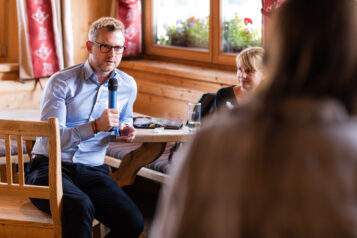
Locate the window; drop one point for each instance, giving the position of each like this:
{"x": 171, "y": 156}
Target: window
{"x": 209, "y": 31}
{"x": 241, "y": 24}
{"x": 183, "y": 23}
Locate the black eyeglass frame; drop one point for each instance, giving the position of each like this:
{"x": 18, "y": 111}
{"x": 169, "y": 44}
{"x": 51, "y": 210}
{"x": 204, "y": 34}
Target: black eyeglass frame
{"x": 105, "y": 48}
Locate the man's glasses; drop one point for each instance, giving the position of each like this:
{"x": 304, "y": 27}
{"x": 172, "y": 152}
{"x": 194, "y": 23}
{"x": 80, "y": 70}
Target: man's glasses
{"x": 104, "y": 48}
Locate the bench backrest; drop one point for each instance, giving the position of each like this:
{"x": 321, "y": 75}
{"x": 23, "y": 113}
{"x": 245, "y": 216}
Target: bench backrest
{"x": 23, "y": 130}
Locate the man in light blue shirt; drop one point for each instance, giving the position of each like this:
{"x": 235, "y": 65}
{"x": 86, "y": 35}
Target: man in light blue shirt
{"x": 78, "y": 97}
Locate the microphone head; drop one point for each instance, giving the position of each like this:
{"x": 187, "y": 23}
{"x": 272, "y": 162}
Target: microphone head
{"x": 113, "y": 84}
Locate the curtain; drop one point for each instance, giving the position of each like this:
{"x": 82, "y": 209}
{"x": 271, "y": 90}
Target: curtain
{"x": 129, "y": 12}
{"x": 45, "y": 37}
{"x": 268, "y": 7}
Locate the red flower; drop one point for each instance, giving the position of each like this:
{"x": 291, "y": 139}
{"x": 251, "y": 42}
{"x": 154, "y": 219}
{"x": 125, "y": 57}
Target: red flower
{"x": 192, "y": 18}
{"x": 248, "y": 20}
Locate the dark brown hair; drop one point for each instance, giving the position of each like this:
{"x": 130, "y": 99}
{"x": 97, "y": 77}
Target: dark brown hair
{"x": 312, "y": 51}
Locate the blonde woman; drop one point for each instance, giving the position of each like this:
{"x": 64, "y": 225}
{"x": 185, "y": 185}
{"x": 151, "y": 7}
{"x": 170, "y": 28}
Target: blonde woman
{"x": 249, "y": 75}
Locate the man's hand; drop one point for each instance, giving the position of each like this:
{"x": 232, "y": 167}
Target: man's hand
{"x": 127, "y": 133}
{"x": 108, "y": 119}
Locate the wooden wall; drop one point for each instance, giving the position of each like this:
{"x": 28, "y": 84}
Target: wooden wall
{"x": 26, "y": 95}
{"x": 84, "y": 12}
{"x": 164, "y": 88}
{"x": 8, "y": 31}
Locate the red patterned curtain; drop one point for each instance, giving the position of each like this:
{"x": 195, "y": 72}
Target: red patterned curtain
{"x": 45, "y": 37}
{"x": 268, "y": 7}
{"x": 129, "y": 12}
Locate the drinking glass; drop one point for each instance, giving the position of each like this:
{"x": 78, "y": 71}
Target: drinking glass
{"x": 194, "y": 116}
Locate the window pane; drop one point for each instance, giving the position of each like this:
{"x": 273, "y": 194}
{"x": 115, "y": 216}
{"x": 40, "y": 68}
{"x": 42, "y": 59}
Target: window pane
{"x": 182, "y": 23}
{"x": 242, "y": 24}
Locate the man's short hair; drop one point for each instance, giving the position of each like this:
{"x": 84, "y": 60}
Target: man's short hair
{"x": 105, "y": 23}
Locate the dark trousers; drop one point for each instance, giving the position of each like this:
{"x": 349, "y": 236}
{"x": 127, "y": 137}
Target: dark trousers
{"x": 88, "y": 193}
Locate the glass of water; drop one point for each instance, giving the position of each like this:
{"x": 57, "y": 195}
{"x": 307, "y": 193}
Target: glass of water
{"x": 194, "y": 116}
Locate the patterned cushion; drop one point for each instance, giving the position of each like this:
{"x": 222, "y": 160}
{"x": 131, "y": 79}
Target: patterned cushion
{"x": 13, "y": 147}
{"x": 120, "y": 149}
{"x": 162, "y": 164}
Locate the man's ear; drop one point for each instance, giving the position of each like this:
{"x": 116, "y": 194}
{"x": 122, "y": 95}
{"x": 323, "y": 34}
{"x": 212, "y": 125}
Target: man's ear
{"x": 89, "y": 46}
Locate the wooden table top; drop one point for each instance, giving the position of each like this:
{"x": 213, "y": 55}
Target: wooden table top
{"x": 142, "y": 135}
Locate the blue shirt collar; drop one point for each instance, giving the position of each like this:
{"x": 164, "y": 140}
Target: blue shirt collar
{"x": 89, "y": 73}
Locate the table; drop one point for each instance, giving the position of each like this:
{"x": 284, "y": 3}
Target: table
{"x": 154, "y": 142}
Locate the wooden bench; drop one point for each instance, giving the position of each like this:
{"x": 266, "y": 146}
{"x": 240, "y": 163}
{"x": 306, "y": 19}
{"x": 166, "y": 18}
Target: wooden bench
{"x": 156, "y": 171}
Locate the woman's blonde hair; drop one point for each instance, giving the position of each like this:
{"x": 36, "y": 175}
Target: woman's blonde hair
{"x": 251, "y": 58}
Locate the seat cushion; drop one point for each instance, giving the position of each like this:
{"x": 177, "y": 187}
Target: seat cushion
{"x": 162, "y": 164}
{"x": 14, "y": 148}
{"x": 120, "y": 149}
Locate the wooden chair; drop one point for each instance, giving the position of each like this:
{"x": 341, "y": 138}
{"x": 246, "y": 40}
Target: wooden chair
{"x": 18, "y": 216}
{"x": 26, "y": 158}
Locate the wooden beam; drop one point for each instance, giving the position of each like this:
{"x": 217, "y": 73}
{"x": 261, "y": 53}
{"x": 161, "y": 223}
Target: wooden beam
{"x": 180, "y": 70}
{"x": 9, "y": 67}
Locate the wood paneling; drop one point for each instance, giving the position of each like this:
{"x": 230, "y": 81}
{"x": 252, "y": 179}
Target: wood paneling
{"x": 164, "y": 89}
{"x": 16, "y": 95}
{"x": 2, "y": 28}
{"x": 9, "y": 67}
{"x": 181, "y": 70}
{"x": 85, "y": 12}
{"x": 8, "y": 31}
{"x": 13, "y": 39}
{"x": 9, "y": 71}
{"x": 159, "y": 107}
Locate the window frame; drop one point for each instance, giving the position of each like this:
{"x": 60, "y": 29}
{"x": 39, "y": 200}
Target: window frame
{"x": 214, "y": 55}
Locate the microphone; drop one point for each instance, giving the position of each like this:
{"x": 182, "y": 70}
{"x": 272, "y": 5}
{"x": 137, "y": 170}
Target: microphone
{"x": 112, "y": 98}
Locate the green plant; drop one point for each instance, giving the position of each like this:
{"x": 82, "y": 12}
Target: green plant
{"x": 239, "y": 34}
{"x": 192, "y": 32}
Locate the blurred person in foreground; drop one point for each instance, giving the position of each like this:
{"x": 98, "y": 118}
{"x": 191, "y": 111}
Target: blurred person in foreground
{"x": 249, "y": 75}
{"x": 285, "y": 164}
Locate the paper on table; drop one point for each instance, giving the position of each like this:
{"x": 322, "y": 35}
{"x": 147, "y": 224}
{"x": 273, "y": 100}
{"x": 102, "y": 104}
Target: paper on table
{"x": 155, "y": 122}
